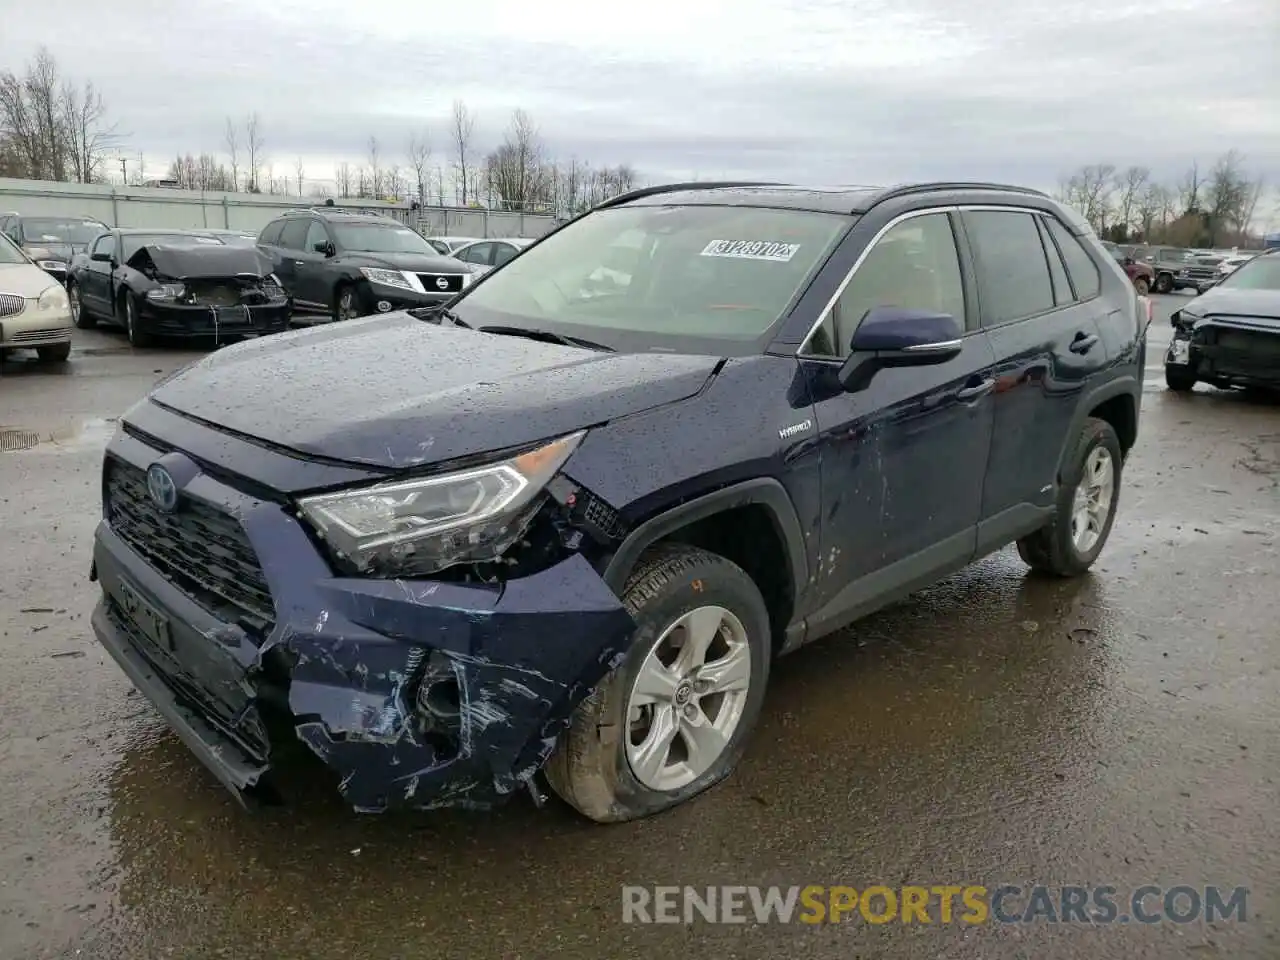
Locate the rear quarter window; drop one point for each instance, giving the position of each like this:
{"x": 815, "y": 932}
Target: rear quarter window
{"x": 271, "y": 232}
{"x": 1084, "y": 273}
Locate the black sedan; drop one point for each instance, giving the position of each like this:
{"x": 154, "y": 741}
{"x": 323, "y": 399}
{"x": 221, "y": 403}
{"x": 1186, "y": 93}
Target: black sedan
{"x": 1229, "y": 336}
{"x": 175, "y": 283}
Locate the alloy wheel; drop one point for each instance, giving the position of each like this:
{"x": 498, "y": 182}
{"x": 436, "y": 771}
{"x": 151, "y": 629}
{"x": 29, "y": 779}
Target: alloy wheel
{"x": 1091, "y": 505}
{"x": 688, "y": 698}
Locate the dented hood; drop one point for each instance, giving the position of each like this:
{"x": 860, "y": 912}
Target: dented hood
{"x": 395, "y": 391}
{"x": 203, "y": 261}
{"x": 1263, "y": 305}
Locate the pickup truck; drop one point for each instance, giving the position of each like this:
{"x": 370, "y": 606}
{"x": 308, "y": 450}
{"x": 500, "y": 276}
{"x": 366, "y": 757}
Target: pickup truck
{"x": 1140, "y": 274}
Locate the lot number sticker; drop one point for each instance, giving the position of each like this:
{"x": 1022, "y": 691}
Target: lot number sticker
{"x": 752, "y": 250}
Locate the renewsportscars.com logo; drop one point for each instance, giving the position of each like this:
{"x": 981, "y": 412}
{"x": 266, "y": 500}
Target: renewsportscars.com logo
{"x": 933, "y": 904}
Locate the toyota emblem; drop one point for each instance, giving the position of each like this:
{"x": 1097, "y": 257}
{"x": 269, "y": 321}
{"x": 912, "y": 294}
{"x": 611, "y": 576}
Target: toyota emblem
{"x": 161, "y": 487}
{"x": 442, "y": 283}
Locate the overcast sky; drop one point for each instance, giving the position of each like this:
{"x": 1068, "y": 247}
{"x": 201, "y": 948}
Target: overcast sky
{"x": 836, "y": 91}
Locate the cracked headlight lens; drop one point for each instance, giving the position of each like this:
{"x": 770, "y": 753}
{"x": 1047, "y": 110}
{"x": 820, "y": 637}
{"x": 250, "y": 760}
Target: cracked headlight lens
{"x": 417, "y": 527}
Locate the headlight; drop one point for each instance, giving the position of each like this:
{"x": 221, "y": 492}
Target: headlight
{"x": 53, "y": 300}
{"x": 51, "y": 265}
{"x": 167, "y": 291}
{"x": 417, "y": 527}
{"x": 390, "y": 278}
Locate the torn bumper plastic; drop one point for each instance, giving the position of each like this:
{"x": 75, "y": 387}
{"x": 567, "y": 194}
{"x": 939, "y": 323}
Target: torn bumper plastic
{"x": 415, "y": 693}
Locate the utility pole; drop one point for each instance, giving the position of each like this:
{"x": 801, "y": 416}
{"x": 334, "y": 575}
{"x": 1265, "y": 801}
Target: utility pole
{"x": 124, "y": 171}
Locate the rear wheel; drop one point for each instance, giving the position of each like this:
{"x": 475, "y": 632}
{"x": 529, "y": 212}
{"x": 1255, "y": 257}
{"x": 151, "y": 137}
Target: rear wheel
{"x": 1164, "y": 283}
{"x": 133, "y": 324}
{"x": 55, "y": 353}
{"x": 674, "y": 718}
{"x": 1141, "y": 285}
{"x": 1069, "y": 544}
{"x": 81, "y": 317}
{"x": 1178, "y": 378}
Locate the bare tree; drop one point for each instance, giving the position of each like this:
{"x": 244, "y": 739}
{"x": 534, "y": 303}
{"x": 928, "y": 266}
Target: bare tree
{"x": 1225, "y": 194}
{"x": 375, "y": 169}
{"x": 515, "y": 168}
{"x": 88, "y": 136}
{"x": 394, "y": 182}
{"x": 1151, "y": 206}
{"x": 419, "y": 158}
{"x": 461, "y": 129}
{"x": 1089, "y": 190}
{"x": 1189, "y": 188}
{"x": 253, "y": 139}
{"x": 299, "y": 173}
{"x": 1130, "y": 185}
{"x": 31, "y": 117}
{"x": 231, "y": 137}
{"x": 1249, "y": 205}
{"x": 342, "y": 177}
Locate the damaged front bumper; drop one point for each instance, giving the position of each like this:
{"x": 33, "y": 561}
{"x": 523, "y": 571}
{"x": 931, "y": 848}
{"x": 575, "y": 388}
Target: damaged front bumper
{"x": 169, "y": 319}
{"x": 415, "y": 693}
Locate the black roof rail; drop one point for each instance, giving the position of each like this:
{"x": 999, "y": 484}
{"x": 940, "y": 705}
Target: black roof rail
{"x": 661, "y": 188}
{"x": 906, "y": 189}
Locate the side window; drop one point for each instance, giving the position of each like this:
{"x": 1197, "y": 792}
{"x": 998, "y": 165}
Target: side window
{"x": 105, "y": 244}
{"x": 914, "y": 265}
{"x": 440, "y": 246}
{"x": 502, "y": 252}
{"x": 13, "y": 230}
{"x": 271, "y": 233}
{"x": 294, "y": 233}
{"x": 1013, "y": 276}
{"x": 1084, "y": 272}
{"x": 316, "y": 234}
{"x": 476, "y": 253}
{"x": 1062, "y": 294}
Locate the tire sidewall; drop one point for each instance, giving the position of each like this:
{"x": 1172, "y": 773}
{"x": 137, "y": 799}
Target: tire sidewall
{"x": 1096, "y": 434}
{"x": 722, "y": 584}
{"x": 1142, "y": 286}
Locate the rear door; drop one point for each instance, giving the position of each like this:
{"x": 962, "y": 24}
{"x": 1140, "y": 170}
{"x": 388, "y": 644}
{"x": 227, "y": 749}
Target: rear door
{"x": 1047, "y": 344}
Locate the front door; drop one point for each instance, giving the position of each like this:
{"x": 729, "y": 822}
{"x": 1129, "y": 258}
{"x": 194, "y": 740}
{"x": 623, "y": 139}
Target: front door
{"x": 95, "y": 286}
{"x": 903, "y": 461}
{"x": 311, "y": 266}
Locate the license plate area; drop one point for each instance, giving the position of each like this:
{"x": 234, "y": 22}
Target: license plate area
{"x": 144, "y": 617}
{"x": 235, "y": 316}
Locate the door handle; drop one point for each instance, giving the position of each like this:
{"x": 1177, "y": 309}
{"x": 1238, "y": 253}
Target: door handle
{"x": 1083, "y": 342}
{"x": 301, "y": 263}
{"x": 973, "y": 393}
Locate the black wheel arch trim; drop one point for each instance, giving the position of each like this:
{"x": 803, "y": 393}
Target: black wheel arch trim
{"x": 764, "y": 491}
{"x": 1125, "y": 385}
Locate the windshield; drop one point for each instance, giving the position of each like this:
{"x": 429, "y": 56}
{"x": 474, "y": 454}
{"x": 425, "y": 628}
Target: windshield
{"x": 9, "y": 252}
{"x": 1260, "y": 273}
{"x": 132, "y": 243}
{"x": 662, "y": 277}
{"x": 381, "y": 238}
{"x": 38, "y": 230}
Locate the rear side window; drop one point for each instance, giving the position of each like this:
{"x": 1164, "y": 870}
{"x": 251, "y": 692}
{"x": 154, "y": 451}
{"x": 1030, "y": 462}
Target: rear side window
{"x": 1062, "y": 294}
{"x": 1013, "y": 275}
{"x": 271, "y": 232}
{"x": 1084, "y": 272}
{"x": 294, "y": 234}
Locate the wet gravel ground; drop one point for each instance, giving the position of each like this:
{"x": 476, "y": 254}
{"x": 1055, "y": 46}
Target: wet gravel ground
{"x": 1120, "y": 729}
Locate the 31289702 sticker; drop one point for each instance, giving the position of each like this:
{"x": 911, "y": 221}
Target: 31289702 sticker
{"x": 772, "y": 250}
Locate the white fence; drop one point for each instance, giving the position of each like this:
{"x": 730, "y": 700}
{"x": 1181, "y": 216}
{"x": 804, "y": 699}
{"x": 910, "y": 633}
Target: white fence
{"x": 182, "y": 209}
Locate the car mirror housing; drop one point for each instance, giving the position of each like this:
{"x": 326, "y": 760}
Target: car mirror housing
{"x": 899, "y": 337}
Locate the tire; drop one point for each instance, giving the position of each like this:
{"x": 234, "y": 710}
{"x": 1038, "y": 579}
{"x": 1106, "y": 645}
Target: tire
{"x": 1054, "y": 549}
{"x": 347, "y": 303}
{"x": 132, "y": 325}
{"x": 592, "y": 766}
{"x": 1178, "y": 378}
{"x": 55, "y": 353}
{"x": 81, "y": 317}
{"x": 1164, "y": 283}
{"x": 1140, "y": 284}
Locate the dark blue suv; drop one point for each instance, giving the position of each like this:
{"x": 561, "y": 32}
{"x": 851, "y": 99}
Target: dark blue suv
{"x": 565, "y": 523}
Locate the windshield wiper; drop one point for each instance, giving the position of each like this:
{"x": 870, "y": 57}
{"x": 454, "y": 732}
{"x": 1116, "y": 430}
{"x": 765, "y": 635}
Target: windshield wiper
{"x": 436, "y": 314}
{"x": 547, "y": 336}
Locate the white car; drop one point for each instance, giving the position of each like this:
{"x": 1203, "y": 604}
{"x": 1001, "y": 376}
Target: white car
{"x": 447, "y": 245}
{"x": 488, "y": 254}
{"x": 1231, "y": 264}
{"x": 34, "y": 311}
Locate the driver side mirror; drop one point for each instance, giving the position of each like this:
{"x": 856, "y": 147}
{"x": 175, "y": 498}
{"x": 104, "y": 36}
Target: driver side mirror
{"x": 101, "y": 257}
{"x": 326, "y": 247}
{"x": 899, "y": 337}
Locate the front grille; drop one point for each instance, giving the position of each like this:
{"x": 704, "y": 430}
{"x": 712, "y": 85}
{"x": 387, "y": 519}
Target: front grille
{"x": 11, "y": 305}
{"x": 202, "y": 550}
{"x": 1234, "y": 352}
{"x": 208, "y": 294}
{"x": 60, "y": 335}
{"x": 431, "y": 282}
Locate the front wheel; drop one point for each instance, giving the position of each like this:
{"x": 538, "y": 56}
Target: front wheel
{"x": 1164, "y": 283}
{"x": 1142, "y": 286}
{"x": 81, "y": 317}
{"x": 55, "y": 352}
{"x": 347, "y": 304}
{"x": 138, "y": 337}
{"x": 673, "y": 719}
{"x": 1178, "y": 378}
{"x": 1069, "y": 544}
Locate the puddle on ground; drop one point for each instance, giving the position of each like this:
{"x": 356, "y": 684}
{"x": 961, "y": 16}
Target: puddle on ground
{"x": 92, "y": 434}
